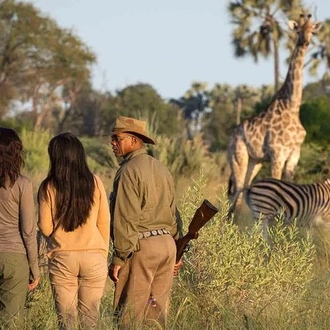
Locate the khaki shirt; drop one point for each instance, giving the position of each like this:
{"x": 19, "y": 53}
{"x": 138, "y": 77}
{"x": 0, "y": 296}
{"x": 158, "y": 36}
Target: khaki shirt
{"x": 18, "y": 227}
{"x": 142, "y": 200}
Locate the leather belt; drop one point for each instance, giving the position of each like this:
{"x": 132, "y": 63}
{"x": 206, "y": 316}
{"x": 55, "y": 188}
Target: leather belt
{"x": 156, "y": 232}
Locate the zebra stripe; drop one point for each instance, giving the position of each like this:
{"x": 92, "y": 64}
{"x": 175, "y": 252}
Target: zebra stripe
{"x": 309, "y": 203}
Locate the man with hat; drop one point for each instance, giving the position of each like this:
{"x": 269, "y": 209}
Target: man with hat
{"x": 143, "y": 225}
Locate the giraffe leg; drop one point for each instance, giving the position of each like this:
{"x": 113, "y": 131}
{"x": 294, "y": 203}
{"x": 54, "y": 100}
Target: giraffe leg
{"x": 291, "y": 164}
{"x": 238, "y": 160}
{"x": 277, "y": 165}
{"x": 253, "y": 169}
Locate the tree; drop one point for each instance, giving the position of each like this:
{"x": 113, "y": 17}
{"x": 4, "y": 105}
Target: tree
{"x": 321, "y": 55}
{"x": 142, "y": 101}
{"x": 228, "y": 105}
{"x": 315, "y": 117}
{"x": 38, "y": 58}
{"x": 83, "y": 111}
{"x": 193, "y": 105}
{"x": 266, "y": 96}
{"x": 244, "y": 94}
{"x": 221, "y": 119}
{"x": 258, "y": 29}
{"x": 316, "y": 90}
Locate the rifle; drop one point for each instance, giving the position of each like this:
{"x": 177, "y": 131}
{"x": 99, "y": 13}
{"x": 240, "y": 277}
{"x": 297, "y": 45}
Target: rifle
{"x": 202, "y": 215}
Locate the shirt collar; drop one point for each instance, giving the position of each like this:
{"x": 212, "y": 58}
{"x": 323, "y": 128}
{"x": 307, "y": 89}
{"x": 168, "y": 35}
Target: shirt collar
{"x": 133, "y": 154}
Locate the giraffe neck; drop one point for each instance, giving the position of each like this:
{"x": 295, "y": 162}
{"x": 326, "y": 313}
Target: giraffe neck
{"x": 292, "y": 86}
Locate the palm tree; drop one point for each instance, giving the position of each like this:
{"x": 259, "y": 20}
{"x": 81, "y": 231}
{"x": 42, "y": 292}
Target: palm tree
{"x": 259, "y": 29}
{"x": 193, "y": 105}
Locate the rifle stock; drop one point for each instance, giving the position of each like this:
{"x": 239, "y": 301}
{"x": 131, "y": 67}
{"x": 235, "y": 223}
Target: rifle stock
{"x": 202, "y": 215}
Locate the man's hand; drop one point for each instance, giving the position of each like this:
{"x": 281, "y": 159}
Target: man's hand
{"x": 113, "y": 272}
{"x": 177, "y": 267}
{"x": 34, "y": 284}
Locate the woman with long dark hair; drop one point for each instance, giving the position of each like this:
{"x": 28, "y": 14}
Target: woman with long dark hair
{"x": 18, "y": 239}
{"x": 74, "y": 214}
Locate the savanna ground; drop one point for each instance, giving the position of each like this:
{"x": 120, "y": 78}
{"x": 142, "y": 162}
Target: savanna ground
{"x": 231, "y": 279}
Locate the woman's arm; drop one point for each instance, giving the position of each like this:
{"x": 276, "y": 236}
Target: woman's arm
{"x": 45, "y": 219}
{"x": 103, "y": 218}
{"x": 28, "y": 228}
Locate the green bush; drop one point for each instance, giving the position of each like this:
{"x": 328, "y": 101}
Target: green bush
{"x": 313, "y": 166}
{"x": 183, "y": 157}
{"x": 35, "y": 144}
{"x": 233, "y": 277}
{"x": 100, "y": 157}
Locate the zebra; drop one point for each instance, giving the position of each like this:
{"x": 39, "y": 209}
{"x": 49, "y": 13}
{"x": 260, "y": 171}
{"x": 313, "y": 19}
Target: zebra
{"x": 308, "y": 203}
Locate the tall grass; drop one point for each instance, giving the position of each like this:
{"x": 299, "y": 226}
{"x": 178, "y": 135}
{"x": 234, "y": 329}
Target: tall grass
{"x": 35, "y": 145}
{"x": 182, "y": 156}
{"x": 231, "y": 278}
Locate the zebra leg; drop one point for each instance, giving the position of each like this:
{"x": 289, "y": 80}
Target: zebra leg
{"x": 265, "y": 230}
{"x": 267, "y": 222}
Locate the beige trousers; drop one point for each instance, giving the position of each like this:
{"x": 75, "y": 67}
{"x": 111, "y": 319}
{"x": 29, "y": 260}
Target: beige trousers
{"x": 78, "y": 280}
{"x": 149, "y": 273}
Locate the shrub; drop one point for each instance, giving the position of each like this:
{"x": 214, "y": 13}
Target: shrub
{"x": 35, "y": 145}
{"x": 233, "y": 276}
{"x": 183, "y": 157}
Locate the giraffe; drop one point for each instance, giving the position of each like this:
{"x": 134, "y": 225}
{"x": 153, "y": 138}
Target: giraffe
{"x": 276, "y": 134}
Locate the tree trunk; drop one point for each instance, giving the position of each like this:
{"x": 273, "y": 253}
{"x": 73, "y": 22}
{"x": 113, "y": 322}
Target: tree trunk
{"x": 35, "y": 102}
{"x": 71, "y": 101}
{"x": 45, "y": 111}
{"x": 276, "y": 64}
{"x": 238, "y": 110}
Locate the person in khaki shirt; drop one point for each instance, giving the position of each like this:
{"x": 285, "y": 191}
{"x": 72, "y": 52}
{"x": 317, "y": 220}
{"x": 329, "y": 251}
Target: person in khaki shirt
{"x": 144, "y": 229}
{"x": 74, "y": 216}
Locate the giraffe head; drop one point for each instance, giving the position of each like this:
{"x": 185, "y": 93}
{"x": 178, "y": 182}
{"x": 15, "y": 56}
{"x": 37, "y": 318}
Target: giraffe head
{"x": 305, "y": 29}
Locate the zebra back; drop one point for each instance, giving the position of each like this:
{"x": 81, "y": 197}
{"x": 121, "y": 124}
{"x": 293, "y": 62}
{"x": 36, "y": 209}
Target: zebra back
{"x": 306, "y": 202}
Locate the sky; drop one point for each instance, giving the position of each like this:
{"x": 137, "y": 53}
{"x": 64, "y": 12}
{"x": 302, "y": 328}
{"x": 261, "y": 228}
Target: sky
{"x": 168, "y": 44}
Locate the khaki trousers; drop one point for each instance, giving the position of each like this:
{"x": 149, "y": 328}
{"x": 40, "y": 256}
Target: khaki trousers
{"x": 149, "y": 273}
{"x": 78, "y": 280}
{"x": 14, "y": 280}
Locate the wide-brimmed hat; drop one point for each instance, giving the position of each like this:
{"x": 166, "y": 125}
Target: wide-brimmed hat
{"x": 132, "y": 126}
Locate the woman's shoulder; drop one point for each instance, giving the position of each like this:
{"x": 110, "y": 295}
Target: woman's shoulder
{"x": 98, "y": 180}
{"x": 23, "y": 180}
{"x": 46, "y": 190}
{"x": 22, "y": 184}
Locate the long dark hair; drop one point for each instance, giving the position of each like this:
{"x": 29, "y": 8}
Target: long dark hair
{"x": 71, "y": 179}
{"x": 11, "y": 156}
